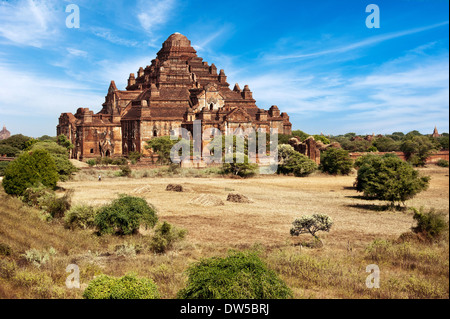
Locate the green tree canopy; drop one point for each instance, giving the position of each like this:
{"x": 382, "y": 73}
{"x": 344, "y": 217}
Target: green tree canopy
{"x": 30, "y": 169}
{"x": 389, "y": 178}
{"x": 336, "y": 161}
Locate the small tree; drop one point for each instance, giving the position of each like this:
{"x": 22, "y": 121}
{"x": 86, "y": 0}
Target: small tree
{"x": 233, "y": 165}
{"x": 311, "y": 224}
{"x": 125, "y": 215}
{"x": 291, "y": 161}
{"x": 336, "y": 161}
{"x": 417, "y": 149}
{"x": 389, "y": 178}
{"x": 162, "y": 146}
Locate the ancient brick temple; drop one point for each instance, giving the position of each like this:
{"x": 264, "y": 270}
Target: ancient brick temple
{"x": 174, "y": 91}
{"x": 4, "y": 133}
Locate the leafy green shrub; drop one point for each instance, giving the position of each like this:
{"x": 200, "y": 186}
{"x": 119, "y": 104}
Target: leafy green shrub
{"x": 3, "y": 166}
{"x": 45, "y": 199}
{"x": 240, "y": 275}
{"x": 164, "y": 237}
{"x": 125, "y": 170}
{"x": 99, "y": 288}
{"x": 125, "y": 215}
{"x": 431, "y": 224}
{"x": 336, "y": 161}
{"x": 232, "y": 164}
{"x": 134, "y": 156}
{"x": 442, "y": 163}
{"x": 35, "y": 196}
{"x": 119, "y": 161}
{"x": 80, "y": 216}
{"x": 57, "y": 206}
{"x": 291, "y": 161}
{"x": 9, "y": 151}
{"x": 60, "y": 155}
{"x": 18, "y": 141}
{"x": 131, "y": 287}
{"x": 417, "y": 149}
{"x": 126, "y": 287}
{"x": 91, "y": 162}
{"x": 389, "y": 178}
{"x": 30, "y": 169}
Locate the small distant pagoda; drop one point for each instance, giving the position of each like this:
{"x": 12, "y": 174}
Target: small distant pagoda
{"x": 435, "y": 133}
{"x": 4, "y": 134}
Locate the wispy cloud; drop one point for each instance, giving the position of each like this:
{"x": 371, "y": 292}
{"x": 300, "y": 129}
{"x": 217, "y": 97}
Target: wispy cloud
{"x": 25, "y": 93}
{"x": 28, "y": 22}
{"x": 356, "y": 45}
{"x": 109, "y": 36}
{"x": 152, "y": 13}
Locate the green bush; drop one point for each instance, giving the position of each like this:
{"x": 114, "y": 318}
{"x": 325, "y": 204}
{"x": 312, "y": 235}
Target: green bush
{"x": 99, "y": 287}
{"x": 91, "y": 162}
{"x": 9, "y": 151}
{"x": 292, "y": 162}
{"x": 36, "y": 195}
{"x": 60, "y": 155}
{"x": 125, "y": 170}
{"x": 57, "y": 206}
{"x": 240, "y": 275}
{"x": 336, "y": 161}
{"x": 18, "y": 141}
{"x": 442, "y": 163}
{"x": 119, "y": 161}
{"x": 134, "y": 156}
{"x": 431, "y": 224}
{"x": 232, "y": 165}
{"x": 389, "y": 178}
{"x": 80, "y": 216}
{"x": 125, "y": 215}
{"x": 28, "y": 170}
{"x": 3, "y": 166}
{"x": 418, "y": 148}
{"x": 126, "y": 287}
{"x": 165, "y": 236}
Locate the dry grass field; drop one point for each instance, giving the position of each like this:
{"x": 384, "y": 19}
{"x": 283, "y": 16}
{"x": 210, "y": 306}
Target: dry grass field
{"x": 337, "y": 270}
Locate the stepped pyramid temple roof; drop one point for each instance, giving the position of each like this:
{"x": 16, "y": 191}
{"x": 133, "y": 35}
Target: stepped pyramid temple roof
{"x": 4, "y": 133}
{"x": 176, "y": 89}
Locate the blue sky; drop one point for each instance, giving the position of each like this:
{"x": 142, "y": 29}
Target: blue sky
{"x": 315, "y": 59}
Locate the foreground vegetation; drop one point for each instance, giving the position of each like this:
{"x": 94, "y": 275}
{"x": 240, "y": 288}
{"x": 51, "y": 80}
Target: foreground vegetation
{"x": 36, "y": 250}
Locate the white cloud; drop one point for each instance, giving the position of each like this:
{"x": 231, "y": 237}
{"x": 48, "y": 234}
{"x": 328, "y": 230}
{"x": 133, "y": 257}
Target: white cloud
{"x": 153, "y": 13}
{"x": 77, "y": 53}
{"x": 28, "y": 22}
{"x": 28, "y": 94}
{"x": 356, "y": 45}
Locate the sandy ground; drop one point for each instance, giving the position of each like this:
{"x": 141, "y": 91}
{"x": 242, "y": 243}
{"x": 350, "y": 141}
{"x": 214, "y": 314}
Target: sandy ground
{"x": 277, "y": 201}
